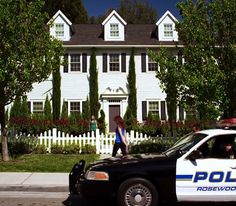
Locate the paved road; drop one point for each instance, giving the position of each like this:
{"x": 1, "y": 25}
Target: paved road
{"x": 62, "y": 199}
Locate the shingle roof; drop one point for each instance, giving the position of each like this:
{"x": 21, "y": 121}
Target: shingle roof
{"x": 135, "y": 34}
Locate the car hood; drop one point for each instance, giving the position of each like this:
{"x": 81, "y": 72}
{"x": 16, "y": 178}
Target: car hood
{"x": 121, "y": 160}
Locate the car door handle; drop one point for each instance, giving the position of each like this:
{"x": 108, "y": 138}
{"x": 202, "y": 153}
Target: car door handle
{"x": 233, "y": 167}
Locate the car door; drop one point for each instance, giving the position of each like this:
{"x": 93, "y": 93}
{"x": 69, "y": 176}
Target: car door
{"x": 208, "y": 177}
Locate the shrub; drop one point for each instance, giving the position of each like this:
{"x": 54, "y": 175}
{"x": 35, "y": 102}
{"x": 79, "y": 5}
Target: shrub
{"x": 19, "y": 147}
{"x": 40, "y": 149}
{"x": 153, "y": 145}
{"x": 71, "y": 149}
{"x": 88, "y": 149}
{"x": 56, "y": 149}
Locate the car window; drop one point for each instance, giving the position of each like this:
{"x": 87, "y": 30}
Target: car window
{"x": 184, "y": 144}
{"x": 222, "y": 146}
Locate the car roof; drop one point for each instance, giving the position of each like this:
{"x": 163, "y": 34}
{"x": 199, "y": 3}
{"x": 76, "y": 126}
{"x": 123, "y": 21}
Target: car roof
{"x": 213, "y": 132}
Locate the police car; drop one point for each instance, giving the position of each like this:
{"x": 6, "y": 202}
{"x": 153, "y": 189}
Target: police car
{"x": 198, "y": 167}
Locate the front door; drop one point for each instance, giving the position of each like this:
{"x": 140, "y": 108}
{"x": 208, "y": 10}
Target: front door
{"x": 114, "y": 110}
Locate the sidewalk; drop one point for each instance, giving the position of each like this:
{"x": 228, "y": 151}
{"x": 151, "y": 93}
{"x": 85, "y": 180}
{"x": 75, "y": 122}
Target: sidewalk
{"x": 27, "y": 181}
{"x": 50, "y": 182}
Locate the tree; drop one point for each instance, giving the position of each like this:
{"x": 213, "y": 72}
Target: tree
{"x": 93, "y": 85}
{"x": 56, "y": 91}
{"x": 137, "y": 12}
{"x": 64, "y": 112}
{"x": 27, "y": 53}
{"x": 73, "y": 9}
{"x": 47, "y": 109}
{"x": 132, "y": 98}
{"x": 207, "y": 31}
{"x": 170, "y": 77}
{"x": 86, "y": 110}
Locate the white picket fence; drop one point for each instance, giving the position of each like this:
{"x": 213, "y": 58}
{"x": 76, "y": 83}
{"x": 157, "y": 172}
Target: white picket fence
{"x": 103, "y": 143}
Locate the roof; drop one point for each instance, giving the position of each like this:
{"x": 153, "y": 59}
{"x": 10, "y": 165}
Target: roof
{"x": 135, "y": 34}
{"x": 167, "y": 13}
{"x": 117, "y": 16}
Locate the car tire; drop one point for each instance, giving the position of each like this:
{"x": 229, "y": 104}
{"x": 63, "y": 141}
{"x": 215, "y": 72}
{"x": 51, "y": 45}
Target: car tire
{"x": 137, "y": 192}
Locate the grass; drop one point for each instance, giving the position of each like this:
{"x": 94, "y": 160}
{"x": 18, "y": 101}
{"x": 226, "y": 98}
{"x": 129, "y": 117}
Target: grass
{"x": 44, "y": 163}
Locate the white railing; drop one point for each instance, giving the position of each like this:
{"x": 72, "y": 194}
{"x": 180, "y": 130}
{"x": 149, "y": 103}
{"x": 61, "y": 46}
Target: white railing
{"x": 103, "y": 143}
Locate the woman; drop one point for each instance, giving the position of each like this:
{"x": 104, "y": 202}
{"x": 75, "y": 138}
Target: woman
{"x": 120, "y": 141}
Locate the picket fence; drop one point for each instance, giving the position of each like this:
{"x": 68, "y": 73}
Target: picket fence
{"x": 103, "y": 142}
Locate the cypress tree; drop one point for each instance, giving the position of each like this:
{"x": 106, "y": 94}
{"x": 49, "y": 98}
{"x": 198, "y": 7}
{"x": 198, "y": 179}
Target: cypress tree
{"x": 132, "y": 98}
{"x": 24, "y": 108}
{"x": 93, "y": 85}
{"x": 64, "y": 112}
{"x": 47, "y": 109}
{"x": 86, "y": 110}
{"x": 16, "y": 108}
{"x": 56, "y": 92}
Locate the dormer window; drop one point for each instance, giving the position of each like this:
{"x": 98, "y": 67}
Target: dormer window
{"x": 114, "y": 30}
{"x": 114, "y": 27}
{"x": 59, "y": 30}
{"x": 168, "y": 30}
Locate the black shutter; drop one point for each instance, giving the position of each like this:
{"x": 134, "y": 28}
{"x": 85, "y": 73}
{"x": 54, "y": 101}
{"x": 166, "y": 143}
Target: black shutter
{"x": 83, "y": 106}
{"x": 65, "y": 63}
{"x": 180, "y": 57}
{"x": 144, "y": 110}
{"x": 123, "y": 62}
{"x": 84, "y": 63}
{"x": 181, "y": 113}
{"x": 29, "y": 106}
{"x": 163, "y": 110}
{"x": 143, "y": 62}
{"x": 104, "y": 62}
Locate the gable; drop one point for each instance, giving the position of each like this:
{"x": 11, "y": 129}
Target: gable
{"x": 114, "y": 27}
{"x": 60, "y": 26}
{"x": 166, "y": 28}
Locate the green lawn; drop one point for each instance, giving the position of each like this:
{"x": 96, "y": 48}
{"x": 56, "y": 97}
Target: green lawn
{"x": 44, "y": 163}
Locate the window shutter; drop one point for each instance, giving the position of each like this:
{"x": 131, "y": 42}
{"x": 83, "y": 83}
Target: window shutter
{"x": 29, "y": 106}
{"x": 181, "y": 113}
{"x": 65, "y": 63}
{"x": 143, "y": 62}
{"x": 84, "y": 63}
{"x": 144, "y": 110}
{"x": 123, "y": 62}
{"x": 180, "y": 57}
{"x": 163, "y": 110}
{"x": 104, "y": 62}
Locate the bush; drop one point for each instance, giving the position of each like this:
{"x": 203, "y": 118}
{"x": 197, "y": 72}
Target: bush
{"x": 40, "y": 149}
{"x": 71, "y": 149}
{"x": 88, "y": 149}
{"x": 56, "y": 149}
{"x": 19, "y": 147}
{"x": 153, "y": 145}
{"x": 67, "y": 149}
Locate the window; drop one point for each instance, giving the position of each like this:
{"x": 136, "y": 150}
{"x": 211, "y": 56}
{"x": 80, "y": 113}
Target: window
{"x": 153, "y": 108}
{"x": 152, "y": 66}
{"x": 168, "y": 30}
{"x": 74, "y": 107}
{"x": 114, "y": 63}
{"x": 59, "y": 30}
{"x": 114, "y": 30}
{"x": 38, "y": 107}
{"x": 75, "y": 62}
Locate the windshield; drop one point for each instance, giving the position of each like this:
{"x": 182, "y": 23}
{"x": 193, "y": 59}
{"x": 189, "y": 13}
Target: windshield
{"x": 184, "y": 144}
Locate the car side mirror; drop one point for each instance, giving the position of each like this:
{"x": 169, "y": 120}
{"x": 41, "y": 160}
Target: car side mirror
{"x": 196, "y": 154}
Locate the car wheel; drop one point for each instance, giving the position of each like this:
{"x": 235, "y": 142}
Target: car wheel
{"x": 137, "y": 192}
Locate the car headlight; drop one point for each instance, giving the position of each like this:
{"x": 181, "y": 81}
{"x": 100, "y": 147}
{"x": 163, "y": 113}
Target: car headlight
{"x": 97, "y": 175}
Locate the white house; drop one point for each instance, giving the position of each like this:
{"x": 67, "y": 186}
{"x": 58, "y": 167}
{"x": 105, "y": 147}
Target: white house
{"x": 113, "y": 40}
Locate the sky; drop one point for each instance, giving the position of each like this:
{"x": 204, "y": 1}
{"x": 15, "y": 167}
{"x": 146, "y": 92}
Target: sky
{"x": 99, "y": 7}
